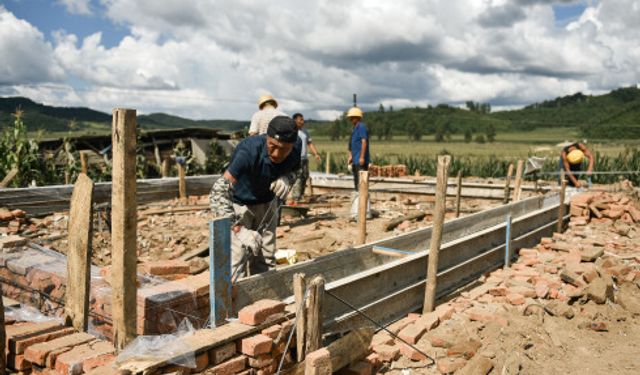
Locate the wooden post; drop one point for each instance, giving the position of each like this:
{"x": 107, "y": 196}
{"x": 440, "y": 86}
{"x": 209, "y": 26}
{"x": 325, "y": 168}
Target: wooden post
{"x": 84, "y": 162}
{"x": 310, "y": 183}
{"x": 517, "y": 189}
{"x": 363, "y": 199}
{"x": 327, "y": 166}
{"x": 79, "y": 253}
{"x": 458, "y": 193}
{"x": 220, "y": 270}
{"x": 560, "y": 226}
{"x": 314, "y": 315}
{"x": 299, "y": 287}
{"x": 436, "y": 233}
{"x": 507, "y": 190}
{"x": 182, "y": 185}
{"x": 3, "y": 339}
{"x": 67, "y": 178}
{"x": 9, "y": 177}
{"x": 123, "y": 227}
{"x": 165, "y": 168}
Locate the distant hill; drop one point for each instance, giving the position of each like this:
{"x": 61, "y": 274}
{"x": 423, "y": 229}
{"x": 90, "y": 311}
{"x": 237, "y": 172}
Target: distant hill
{"x": 84, "y": 120}
{"x": 612, "y": 115}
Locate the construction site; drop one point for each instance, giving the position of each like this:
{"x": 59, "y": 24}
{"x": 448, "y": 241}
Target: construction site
{"x": 427, "y": 275}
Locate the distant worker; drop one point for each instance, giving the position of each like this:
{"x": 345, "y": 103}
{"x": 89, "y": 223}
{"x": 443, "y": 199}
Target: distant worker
{"x": 571, "y": 160}
{"x": 358, "y": 145}
{"x": 262, "y": 170}
{"x": 267, "y": 110}
{"x": 303, "y": 175}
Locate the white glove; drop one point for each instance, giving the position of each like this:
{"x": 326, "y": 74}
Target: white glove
{"x": 350, "y": 168}
{"x": 281, "y": 187}
{"x": 250, "y": 239}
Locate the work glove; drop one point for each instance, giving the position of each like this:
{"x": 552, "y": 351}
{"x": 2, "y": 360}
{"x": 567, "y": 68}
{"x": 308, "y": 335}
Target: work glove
{"x": 350, "y": 168}
{"x": 250, "y": 240}
{"x": 281, "y": 187}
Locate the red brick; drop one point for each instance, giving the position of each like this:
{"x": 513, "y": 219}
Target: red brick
{"x": 444, "y": 312}
{"x": 466, "y": 349}
{"x": 20, "y": 345}
{"x": 39, "y": 353}
{"x": 387, "y": 353}
{"x": 272, "y": 331}
{"x": 166, "y": 267}
{"x": 263, "y": 360}
{"x": 71, "y": 362}
{"x": 105, "y": 360}
{"x": 429, "y": 320}
{"x": 358, "y": 368}
{"x": 498, "y": 291}
{"x": 202, "y": 361}
{"x": 18, "y": 362}
{"x": 411, "y": 353}
{"x": 478, "y": 365}
{"x": 450, "y": 365}
{"x": 19, "y": 334}
{"x": 260, "y": 311}
{"x": 515, "y": 298}
{"x": 230, "y": 367}
{"x": 381, "y": 338}
{"x": 12, "y": 241}
{"x": 441, "y": 340}
{"x": 413, "y": 332}
{"x": 542, "y": 290}
{"x": 374, "y": 359}
{"x": 256, "y": 345}
{"x": 482, "y": 315}
{"x": 318, "y": 362}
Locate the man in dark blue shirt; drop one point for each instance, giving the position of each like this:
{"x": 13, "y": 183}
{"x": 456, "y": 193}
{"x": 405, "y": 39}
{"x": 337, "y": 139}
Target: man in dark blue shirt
{"x": 359, "y": 144}
{"x": 262, "y": 170}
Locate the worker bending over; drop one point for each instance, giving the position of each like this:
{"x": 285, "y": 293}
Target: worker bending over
{"x": 571, "y": 159}
{"x": 262, "y": 170}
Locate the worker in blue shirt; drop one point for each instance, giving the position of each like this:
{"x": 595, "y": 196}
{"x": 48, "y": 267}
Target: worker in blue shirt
{"x": 262, "y": 170}
{"x": 358, "y": 145}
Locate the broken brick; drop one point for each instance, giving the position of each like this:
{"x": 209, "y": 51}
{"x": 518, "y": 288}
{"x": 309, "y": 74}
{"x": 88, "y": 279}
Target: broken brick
{"x": 260, "y": 311}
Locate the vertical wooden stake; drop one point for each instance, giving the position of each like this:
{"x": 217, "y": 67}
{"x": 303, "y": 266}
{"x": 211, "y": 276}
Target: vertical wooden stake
{"x": 517, "y": 189}
{"x": 458, "y": 193}
{"x": 299, "y": 287}
{"x": 436, "y": 233}
{"x": 363, "y": 199}
{"x": 327, "y": 166}
{"x": 182, "y": 185}
{"x": 67, "y": 178}
{"x": 3, "y": 339}
{"x": 220, "y": 270}
{"x": 561, "y": 207}
{"x": 79, "y": 253}
{"x": 310, "y": 182}
{"x": 84, "y": 162}
{"x": 165, "y": 168}
{"x": 314, "y": 317}
{"x": 507, "y": 190}
{"x": 124, "y": 225}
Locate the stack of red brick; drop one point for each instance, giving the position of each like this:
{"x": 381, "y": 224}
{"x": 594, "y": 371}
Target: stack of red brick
{"x": 575, "y": 265}
{"x": 50, "y": 348}
{"x": 399, "y": 170}
{"x": 603, "y": 207}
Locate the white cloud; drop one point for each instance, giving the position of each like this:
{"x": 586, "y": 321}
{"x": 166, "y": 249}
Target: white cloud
{"x": 76, "y": 6}
{"x": 207, "y": 59}
{"x": 25, "y": 58}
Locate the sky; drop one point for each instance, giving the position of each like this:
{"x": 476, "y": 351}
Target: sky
{"x": 206, "y": 59}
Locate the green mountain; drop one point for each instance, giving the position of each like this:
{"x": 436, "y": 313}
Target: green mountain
{"x": 84, "y": 120}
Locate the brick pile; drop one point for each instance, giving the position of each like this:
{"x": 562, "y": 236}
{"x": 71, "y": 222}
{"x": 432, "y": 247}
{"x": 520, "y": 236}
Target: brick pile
{"x": 597, "y": 259}
{"x": 399, "y": 170}
{"x": 50, "y": 348}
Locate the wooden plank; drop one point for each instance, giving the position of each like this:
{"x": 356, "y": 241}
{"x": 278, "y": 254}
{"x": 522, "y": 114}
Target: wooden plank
{"x": 561, "y": 208}
{"x": 314, "y": 315}
{"x": 9, "y": 177}
{"x": 79, "y": 253}
{"x": 84, "y": 162}
{"x": 182, "y": 185}
{"x": 3, "y": 341}
{"x": 458, "y": 193}
{"x": 436, "y": 234}
{"x": 363, "y": 200}
{"x": 299, "y": 288}
{"x": 220, "y": 271}
{"x": 123, "y": 227}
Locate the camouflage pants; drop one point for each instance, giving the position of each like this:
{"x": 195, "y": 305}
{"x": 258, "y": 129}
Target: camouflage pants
{"x": 301, "y": 181}
{"x": 264, "y": 219}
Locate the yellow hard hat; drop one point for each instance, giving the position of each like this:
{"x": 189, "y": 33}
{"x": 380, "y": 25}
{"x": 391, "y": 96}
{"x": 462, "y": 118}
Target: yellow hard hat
{"x": 354, "y": 112}
{"x": 264, "y": 99}
{"x": 575, "y": 157}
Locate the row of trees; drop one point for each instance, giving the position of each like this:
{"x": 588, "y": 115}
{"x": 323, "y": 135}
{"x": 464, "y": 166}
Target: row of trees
{"x": 384, "y": 124}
